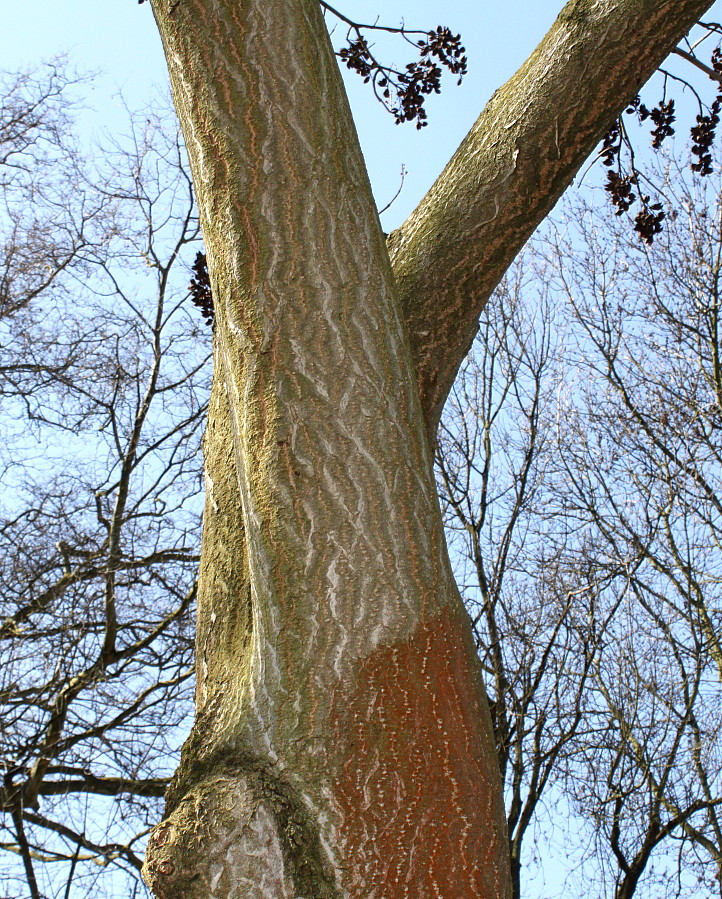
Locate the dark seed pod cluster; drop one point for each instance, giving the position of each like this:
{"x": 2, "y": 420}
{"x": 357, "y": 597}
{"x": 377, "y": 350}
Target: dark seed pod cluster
{"x": 621, "y": 184}
{"x": 662, "y": 117}
{"x": 404, "y": 92}
{"x": 200, "y": 288}
{"x": 703, "y": 133}
{"x": 624, "y": 179}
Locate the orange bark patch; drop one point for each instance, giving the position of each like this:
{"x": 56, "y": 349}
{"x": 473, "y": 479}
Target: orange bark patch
{"x": 419, "y": 785}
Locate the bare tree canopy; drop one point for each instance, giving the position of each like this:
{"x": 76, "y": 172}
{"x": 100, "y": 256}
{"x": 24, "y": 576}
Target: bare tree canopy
{"x": 103, "y": 386}
{"x": 579, "y": 469}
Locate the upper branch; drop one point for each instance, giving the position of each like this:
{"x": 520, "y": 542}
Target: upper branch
{"x": 514, "y": 164}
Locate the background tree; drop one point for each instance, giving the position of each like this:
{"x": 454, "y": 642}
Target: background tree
{"x": 103, "y": 384}
{"x": 638, "y": 475}
{"x": 497, "y": 443}
{"x": 578, "y": 466}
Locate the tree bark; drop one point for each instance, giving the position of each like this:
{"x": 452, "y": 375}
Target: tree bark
{"x": 342, "y": 746}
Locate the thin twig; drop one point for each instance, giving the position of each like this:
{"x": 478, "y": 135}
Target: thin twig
{"x": 25, "y": 850}
{"x": 703, "y": 67}
{"x": 395, "y": 196}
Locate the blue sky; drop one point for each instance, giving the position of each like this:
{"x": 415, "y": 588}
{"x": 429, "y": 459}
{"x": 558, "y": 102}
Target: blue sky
{"x": 118, "y": 39}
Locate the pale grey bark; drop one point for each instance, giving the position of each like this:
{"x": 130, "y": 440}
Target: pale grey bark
{"x": 350, "y": 591}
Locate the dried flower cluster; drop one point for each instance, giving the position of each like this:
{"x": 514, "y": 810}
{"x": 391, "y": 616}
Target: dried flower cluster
{"x": 623, "y": 178}
{"x": 662, "y": 117}
{"x": 620, "y": 184}
{"x": 703, "y": 133}
{"x": 404, "y": 92}
{"x": 200, "y": 288}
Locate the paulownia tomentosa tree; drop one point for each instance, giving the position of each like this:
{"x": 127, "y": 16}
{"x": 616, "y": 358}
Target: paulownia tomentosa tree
{"x": 342, "y": 746}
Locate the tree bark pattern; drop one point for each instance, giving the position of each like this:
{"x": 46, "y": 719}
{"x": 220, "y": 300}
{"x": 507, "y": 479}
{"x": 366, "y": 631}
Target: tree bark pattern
{"x": 347, "y": 567}
{"x": 224, "y": 616}
{"x": 342, "y": 745}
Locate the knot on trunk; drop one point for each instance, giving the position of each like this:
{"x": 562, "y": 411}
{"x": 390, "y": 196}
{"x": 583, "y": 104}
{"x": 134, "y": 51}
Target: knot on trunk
{"x": 238, "y": 836}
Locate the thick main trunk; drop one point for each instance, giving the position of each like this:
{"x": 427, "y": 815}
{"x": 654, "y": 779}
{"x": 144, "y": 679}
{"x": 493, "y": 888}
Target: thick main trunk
{"x": 342, "y": 746}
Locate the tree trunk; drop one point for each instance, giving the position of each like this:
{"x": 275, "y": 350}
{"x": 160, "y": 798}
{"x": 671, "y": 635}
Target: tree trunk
{"x": 342, "y": 746}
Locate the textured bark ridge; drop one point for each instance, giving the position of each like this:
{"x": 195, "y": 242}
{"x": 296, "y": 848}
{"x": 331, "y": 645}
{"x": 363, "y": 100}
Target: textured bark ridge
{"x": 224, "y": 621}
{"x": 425, "y": 789}
{"x": 306, "y": 632}
{"x": 237, "y": 836}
